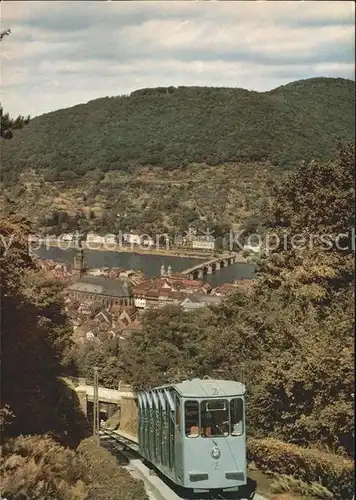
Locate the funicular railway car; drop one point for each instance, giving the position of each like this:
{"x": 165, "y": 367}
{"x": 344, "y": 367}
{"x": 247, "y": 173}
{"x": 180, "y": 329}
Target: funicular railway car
{"x": 194, "y": 433}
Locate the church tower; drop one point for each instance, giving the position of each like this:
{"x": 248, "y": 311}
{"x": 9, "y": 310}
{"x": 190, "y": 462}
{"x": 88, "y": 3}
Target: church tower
{"x": 79, "y": 264}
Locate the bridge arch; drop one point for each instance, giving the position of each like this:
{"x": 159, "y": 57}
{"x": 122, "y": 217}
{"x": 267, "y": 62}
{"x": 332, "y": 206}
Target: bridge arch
{"x": 198, "y": 271}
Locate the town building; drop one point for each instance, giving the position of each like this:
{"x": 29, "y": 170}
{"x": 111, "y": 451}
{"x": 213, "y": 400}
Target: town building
{"x": 68, "y": 237}
{"x": 79, "y": 264}
{"x": 194, "y": 302}
{"x": 106, "y": 291}
{"x": 203, "y": 244}
{"x": 96, "y": 239}
{"x": 167, "y": 290}
{"x": 131, "y": 239}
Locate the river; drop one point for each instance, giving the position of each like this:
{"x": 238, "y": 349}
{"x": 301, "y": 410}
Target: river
{"x": 149, "y": 264}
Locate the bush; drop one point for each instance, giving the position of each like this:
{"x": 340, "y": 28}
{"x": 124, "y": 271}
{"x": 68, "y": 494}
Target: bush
{"x": 107, "y": 480}
{"x": 333, "y": 472}
{"x": 285, "y": 484}
{"x": 37, "y": 467}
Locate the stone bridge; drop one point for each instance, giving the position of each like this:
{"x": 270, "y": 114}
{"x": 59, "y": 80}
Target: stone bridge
{"x": 106, "y": 396}
{"x": 198, "y": 271}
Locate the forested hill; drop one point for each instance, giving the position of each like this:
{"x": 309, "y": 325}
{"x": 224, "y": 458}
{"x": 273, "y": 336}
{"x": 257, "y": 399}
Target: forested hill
{"x": 176, "y": 126}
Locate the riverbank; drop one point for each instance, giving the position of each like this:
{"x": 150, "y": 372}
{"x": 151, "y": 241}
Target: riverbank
{"x": 166, "y": 252}
{"x": 149, "y": 263}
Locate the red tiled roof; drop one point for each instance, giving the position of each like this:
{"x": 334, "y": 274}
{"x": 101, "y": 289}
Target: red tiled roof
{"x": 144, "y": 284}
{"x": 193, "y": 283}
{"x": 164, "y": 292}
{"x": 178, "y": 276}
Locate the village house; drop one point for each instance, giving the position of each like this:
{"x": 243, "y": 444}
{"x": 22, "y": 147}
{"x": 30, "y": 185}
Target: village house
{"x": 204, "y": 243}
{"x": 93, "y": 322}
{"x": 57, "y": 270}
{"x": 96, "y": 239}
{"x": 131, "y": 239}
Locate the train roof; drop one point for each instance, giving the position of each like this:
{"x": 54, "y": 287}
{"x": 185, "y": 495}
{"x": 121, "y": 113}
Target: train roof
{"x": 201, "y": 388}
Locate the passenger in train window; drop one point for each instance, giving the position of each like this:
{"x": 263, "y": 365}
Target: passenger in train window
{"x": 215, "y": 418}
{"x": 191, "y": 416}
{"x": 193, "y": 431}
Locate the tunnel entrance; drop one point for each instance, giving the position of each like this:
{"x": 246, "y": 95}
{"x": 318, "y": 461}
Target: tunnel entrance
{"x": 106, "y": 410}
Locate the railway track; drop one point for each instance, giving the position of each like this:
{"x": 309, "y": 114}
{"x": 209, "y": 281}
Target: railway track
{"x": 160, "y": 487}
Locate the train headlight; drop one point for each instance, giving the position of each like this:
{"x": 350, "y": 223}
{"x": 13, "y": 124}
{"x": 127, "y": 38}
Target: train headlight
{"x": 215, "y": 453}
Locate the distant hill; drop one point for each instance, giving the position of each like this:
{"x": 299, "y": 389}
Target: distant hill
{"x": 173, "y": 127}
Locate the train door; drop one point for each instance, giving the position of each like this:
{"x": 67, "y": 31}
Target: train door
{"x": 141, "y": 417}
{"x": 171, "y": 419}
{"x": 162, "y": 433}
{"x": 171, "y": 440}
{"x": 157, "y": 426}
{"x": 144, "y": 423}
{"x": 151, "y": 424}
{"x": 178, "y": 440}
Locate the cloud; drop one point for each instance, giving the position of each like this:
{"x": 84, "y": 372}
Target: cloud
{"x": 63, "y": 53}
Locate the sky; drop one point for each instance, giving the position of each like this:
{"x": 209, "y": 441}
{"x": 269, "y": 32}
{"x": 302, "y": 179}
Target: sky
{"x": 60, "y": 54}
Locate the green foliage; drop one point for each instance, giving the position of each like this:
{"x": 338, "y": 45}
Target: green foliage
{"x": 107, "y": 481}
{"x": 151, "y": 200}
{"x": 4, "y": 33}
{"x": 186, "y": 125}
{"x": 168, "y": 349}
{"x": 105, "y": 357}
{"x": 9, "y": 124}
{"x": 290, "y": 484}
{"x": 36, "y": 337}
{"x": 37, "y": 467}
{"x": 311, "y": 466}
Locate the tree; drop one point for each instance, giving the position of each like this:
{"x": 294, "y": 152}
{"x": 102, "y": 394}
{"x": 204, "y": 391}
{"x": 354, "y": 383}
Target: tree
{"x": 169, "y": 348}
{"x": 35, "y": 339}
{"x": 4, "y": 33}
{"x": 8, "y": 124}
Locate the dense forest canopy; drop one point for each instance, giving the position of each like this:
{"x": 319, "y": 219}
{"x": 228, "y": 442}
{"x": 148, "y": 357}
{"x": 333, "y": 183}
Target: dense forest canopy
{"x": 176, "y": 126}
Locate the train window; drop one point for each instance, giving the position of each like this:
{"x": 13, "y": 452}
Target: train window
{"x": 191, "y": 411}
{"x": 216, "y": 405}
{"x": 178, "y": 412}
{"x": 237, "y": 416}
{"x": 215, "y": 418}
